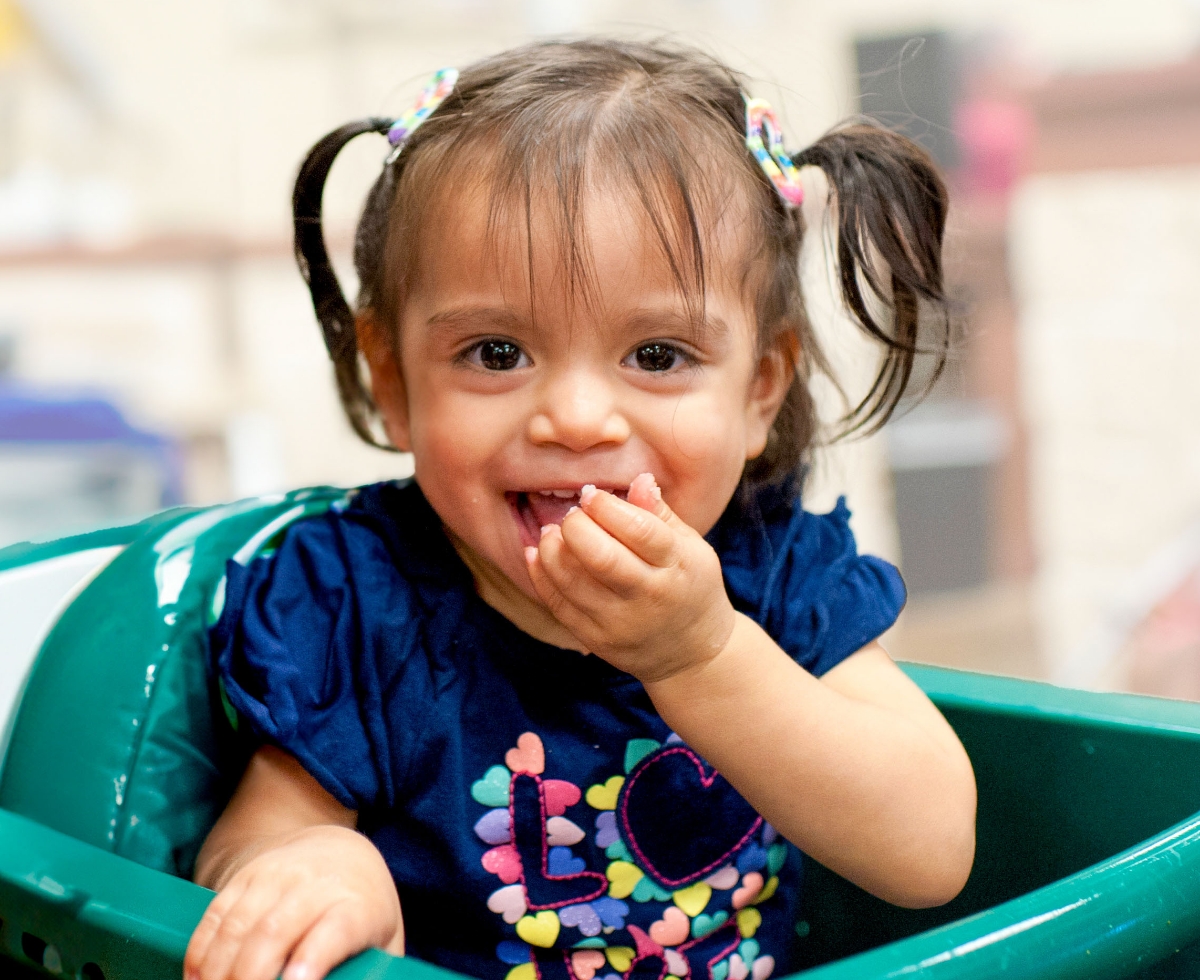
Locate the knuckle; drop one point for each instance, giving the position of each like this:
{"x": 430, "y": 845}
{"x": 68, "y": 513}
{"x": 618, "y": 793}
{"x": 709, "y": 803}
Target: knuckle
{"x": 607, "y": 561}
{"x": 235, "y": 926}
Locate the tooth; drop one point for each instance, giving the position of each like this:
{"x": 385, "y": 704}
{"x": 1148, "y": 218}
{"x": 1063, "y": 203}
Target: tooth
{"x": 546, "y": 493}
{"x": 563, "y": 494}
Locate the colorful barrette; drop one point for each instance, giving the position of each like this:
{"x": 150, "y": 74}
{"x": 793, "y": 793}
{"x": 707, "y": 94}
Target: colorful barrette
{"x": 433, "y": 95}
{"x": 764, "y": 138}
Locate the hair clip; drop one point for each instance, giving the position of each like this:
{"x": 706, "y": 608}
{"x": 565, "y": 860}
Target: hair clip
{"x": 432, "y": 95}
{"x": 764, "y": 138}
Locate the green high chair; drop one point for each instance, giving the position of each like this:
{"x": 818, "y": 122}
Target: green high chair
{"x": 116, "y": 763}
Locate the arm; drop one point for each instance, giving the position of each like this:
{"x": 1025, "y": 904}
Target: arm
{"x": 858, "y": 769}
{"x": 298, "y": 885}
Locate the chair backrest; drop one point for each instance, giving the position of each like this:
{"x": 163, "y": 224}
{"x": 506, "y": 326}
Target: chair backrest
{"x": 119, "y": 738}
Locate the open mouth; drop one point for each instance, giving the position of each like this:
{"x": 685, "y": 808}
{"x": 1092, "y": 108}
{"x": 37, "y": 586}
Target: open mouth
{"x": 534, "y": 509}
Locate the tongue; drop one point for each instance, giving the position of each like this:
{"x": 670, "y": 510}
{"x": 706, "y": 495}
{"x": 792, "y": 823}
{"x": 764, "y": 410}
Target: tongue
{"x": 550, "y": 510}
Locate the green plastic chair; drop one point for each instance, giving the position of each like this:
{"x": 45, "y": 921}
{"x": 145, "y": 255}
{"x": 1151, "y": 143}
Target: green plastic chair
{"x": 118, "y": 762}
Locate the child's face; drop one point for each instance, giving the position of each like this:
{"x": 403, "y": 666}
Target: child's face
{"x": 511, "y": 406}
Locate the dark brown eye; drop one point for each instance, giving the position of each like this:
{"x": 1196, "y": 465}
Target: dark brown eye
{"x": 499, "y": 355}
{"x": 656, "y": 357}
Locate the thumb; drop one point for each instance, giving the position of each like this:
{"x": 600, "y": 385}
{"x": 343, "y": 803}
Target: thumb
{"x": 644, "y": 492}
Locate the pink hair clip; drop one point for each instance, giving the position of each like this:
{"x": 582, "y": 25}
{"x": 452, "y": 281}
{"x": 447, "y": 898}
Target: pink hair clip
{"x": 764, "y": 138}
{"x": 432, "y": 95}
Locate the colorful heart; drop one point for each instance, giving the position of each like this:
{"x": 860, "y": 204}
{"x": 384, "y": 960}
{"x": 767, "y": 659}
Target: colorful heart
{"x": 647, "y": 891}
{"x": 559, "y": 795}
{"x": 513, "y": 952}
{"x": 709, "y": 819}
{"x": 603, "y": 796}
{"x": 636, "y": 749}
{"x": 748, "y": 921}
{"x": 495, "y": 826}
{"x": 586, "y": 962}
{"x": 508, "y": 902}
{"x": 748, "y": 950}
{"x": 617, "y": 851}
{"x": 767, "y": 892}
{"x": 776, "y": 857}
{"x": 624, "y": 878}
{"x": 703, "y": 924}
{"x": 582, "y": 917}
{"x": 504, "y": 862}
{"x": 592, "y": 942}
{"x": 764, "y": 966}
{"x": 752, "y": 884}
{"x": 737, "y": 967}
{"x": 560, "y": 832}
{"x": 677, "y": 964}
{"x": 612, "y": 912}
{"x": 539, "y": 930}
{"x": 724, "y": 879}
{"x": 753, "y": 858}
{"x": 693, "y": 898}
{"x": 528, "y": 756}
{"x": 560, "y": 862}
{"x": 620, "y": 958}
{"x": 720, "y": 970}
{"x": 606, "y": 828}
{"x": 523, "y": 971}
{"x": 769, "y": 835}
{"x": 671, "y": 929}
{"x": 492, "y": 789}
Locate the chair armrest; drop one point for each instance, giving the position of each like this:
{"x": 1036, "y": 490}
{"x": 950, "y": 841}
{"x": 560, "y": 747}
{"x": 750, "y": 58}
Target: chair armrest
{"x": 66, "y": 904}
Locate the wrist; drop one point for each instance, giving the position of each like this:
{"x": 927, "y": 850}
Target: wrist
{"x": 708, "y": 671}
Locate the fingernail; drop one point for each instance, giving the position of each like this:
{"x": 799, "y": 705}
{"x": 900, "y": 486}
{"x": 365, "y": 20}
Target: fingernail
{"x": 587, "y": 493}
{"x": 297, "y": 971}
{"x": 547, "y": 527}
{"x": 531, "y": 554}
{"x": 571, "y": 511}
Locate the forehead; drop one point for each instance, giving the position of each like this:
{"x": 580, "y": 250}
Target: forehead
{"x": 605, "y": 245}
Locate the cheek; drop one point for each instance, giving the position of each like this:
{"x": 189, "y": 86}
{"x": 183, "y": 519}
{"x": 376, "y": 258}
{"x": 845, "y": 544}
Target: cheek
{"x": 704, "y": 445}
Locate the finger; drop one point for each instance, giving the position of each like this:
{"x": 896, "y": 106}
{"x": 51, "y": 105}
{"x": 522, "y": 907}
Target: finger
{"x": 206, "y": 928}
{"x": 237, "y": 923}
{"x": 267, "y": 947}
{"x": 572, "y": 594}
{"x": 640, "y": 530}
{"x": 334, "y": 937}
{"x": 645, "y": 493}
{"x": 603, "y": 555}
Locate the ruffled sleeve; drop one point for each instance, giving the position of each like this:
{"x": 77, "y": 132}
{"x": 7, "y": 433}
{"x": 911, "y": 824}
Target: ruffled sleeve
{"x": 300, "y": 660}
{"x": 801, "y": 577}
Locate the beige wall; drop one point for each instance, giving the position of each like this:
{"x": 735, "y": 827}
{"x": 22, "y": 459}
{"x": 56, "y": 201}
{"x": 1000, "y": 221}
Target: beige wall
{"x": 1105, "y": 267}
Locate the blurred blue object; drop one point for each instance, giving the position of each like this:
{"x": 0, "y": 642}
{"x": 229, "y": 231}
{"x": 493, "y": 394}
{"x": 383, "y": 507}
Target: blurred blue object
{"x": 74, "y": 463}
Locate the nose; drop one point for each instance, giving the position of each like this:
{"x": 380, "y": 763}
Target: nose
{"x": 578, "y": 409}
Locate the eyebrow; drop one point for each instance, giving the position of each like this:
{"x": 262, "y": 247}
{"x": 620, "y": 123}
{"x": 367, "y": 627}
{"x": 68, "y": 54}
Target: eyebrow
{"x": 647, "y": 321}
{"x": 498, "y": 317}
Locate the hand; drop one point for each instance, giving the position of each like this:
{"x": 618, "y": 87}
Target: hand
{"x": 319, "y": 897}
{"x": 634, "y": 584}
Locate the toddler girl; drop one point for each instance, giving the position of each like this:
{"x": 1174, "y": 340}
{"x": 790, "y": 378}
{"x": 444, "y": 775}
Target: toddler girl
{"x": 566, "y": 705}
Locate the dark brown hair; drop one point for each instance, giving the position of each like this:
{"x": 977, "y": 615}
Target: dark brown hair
{"x": 668, "y": 123}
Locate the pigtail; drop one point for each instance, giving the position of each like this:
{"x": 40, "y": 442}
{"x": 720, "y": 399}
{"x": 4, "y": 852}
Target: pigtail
{"x": 891, "y": 214}
{"x": 329, "y": 303}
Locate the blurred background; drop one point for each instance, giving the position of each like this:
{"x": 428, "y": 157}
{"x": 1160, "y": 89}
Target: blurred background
{"x": 157, "y": 346}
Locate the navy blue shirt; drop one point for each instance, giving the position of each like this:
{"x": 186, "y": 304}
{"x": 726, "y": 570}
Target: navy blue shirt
{"x": 540, "y": 820}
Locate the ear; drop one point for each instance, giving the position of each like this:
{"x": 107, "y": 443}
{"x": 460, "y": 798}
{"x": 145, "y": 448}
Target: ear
{"x": 768, "y": 388}
{"x": 387, "y": 380}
